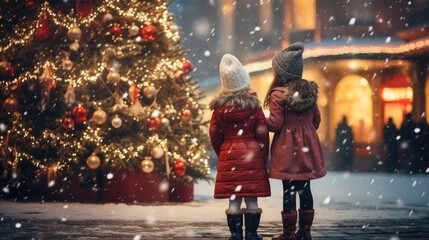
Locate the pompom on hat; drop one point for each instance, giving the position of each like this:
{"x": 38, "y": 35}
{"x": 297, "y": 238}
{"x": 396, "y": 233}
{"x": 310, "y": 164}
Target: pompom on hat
{"x": 233, "y": 76}
{"x": 288, "y": 63}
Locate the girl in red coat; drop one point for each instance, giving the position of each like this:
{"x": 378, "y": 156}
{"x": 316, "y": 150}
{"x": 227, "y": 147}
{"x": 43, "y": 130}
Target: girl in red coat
{"x": 239, "y": 136}
{"x": 296, "y": 154}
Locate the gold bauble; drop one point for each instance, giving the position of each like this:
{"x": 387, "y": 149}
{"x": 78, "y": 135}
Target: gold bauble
{"x": 165, "y": 122}
{"x": 157, "y": 152}
{"x": 99, "y": 117}
{"x": 93, "y": 161}
{"x": 113, "y": 77}
{"x": 149, "y": 92}
{"x": 117, "y": 122}
{"x": 107, "y": 18}
{"x": 67, "y": 64}
{"x": 147, "y": 165}
{"x": 134, "y": 30}
{"x": 74, "y": 33}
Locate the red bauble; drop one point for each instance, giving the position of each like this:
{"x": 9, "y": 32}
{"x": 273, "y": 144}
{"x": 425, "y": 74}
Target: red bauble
{"x": 68, "y": 123}
{"x": 29, "y": 4}
{"x": 43, "y": 30}
{"x": 11, "y": 104}
{"x": 80, "y": 113}
{"x": 154, "y": 123}
{"x": 179, "y": 168}
{"x": 148, "y": 33}
{"x": 84, "y": 7}
{"x": 186, "y": 114}
{"x": 10, "y": 71}
{"x": 116, "y": 30}
{"x": 187, "y": 66}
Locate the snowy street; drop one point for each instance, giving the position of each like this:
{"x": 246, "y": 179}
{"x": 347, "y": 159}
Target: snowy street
{"x": 367, "y": 205}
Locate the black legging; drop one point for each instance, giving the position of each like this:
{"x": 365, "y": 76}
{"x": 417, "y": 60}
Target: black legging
{"x": 290, "y": 188}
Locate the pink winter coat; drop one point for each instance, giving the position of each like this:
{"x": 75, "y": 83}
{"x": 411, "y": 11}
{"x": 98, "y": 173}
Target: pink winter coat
{"x": 296, "y": 153}
{"x": 239, "y": 137}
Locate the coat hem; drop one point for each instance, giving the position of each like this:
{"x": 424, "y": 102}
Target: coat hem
{"x": 298, "y": 176}
{"x": 218, "y": 196}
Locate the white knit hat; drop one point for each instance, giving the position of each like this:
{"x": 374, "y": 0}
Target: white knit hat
{"x": 232, "y": 74}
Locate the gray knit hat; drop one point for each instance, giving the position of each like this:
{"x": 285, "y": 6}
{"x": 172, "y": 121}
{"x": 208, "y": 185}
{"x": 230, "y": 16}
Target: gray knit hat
{"x": 232, "y": 74}
{"x": 288, "y": 63}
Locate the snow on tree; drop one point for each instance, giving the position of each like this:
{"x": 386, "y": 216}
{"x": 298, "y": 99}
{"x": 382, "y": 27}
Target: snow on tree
{"x": 96, "y": 84}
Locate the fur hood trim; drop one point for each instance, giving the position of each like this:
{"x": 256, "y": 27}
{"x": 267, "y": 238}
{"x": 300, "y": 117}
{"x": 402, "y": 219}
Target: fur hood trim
{"x": 301, "y": 95}
{"x": 241, "y": 99}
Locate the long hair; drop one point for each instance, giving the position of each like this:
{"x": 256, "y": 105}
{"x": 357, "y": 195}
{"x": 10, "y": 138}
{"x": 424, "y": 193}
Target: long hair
{"x": 278, "y": 81}
{"x": 293, "y": 85}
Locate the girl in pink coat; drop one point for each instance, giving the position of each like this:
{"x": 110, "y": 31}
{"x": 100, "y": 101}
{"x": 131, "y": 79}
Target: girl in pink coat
{"x": 296, "y": 154}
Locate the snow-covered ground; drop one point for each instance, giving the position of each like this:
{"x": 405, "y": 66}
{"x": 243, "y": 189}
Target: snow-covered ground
{"x": 338, "y": 195}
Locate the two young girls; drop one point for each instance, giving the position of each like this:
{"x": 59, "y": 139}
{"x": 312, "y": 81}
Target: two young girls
{"x": 238, "y": 132}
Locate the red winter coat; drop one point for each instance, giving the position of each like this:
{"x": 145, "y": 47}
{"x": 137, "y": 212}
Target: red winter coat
{"x": 240, "y": 140}
{"x": 296, "y": 153}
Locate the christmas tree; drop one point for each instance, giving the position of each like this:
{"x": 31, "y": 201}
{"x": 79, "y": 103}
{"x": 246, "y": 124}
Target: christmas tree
{"x": 97, "y": 84}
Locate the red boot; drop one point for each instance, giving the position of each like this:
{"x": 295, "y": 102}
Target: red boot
{"x": 289, "y": 226}
{"x": 306, "y": 217}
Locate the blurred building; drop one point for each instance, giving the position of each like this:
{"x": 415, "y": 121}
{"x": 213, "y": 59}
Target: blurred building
{"x": 369, "y": 58}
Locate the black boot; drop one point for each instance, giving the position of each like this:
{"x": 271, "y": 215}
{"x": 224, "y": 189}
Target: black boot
{"x": 252, "y": 218}
{"x": 235, "y": 224}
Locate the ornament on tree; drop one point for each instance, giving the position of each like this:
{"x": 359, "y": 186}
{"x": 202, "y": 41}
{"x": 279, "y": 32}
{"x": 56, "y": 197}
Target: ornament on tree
{"x": 99, "y": 117}
{"x": 148, "y": 33}
{"x": 133, "y": 94}
{"x": 133, "y": 30}
{"x": 154, "y": 123}
{"x": 116, "y": 122}
{"x": 107, "y": 18}
{"x": 66, "y": 63}
{"x": 119, "y": 104}
{"x": 43, "y": 29}
{"x": 179, "y": 167}
{"x": 47, "y": 81}
{"x": 186, "y": 66}
{"x": 3, "y": 65}
{"x": 29, "y": 4}
{"x": 68, "y": 123}
{"x": 93, "y": 161}
{"x": 6, "y": 69}
{"x": 74, "y": 33}
{"x": 136, "y": 108}
{"x": 70, "y": 96}
{"x": 74, "y": 46}
{"x": 9, "y": 71}
{"x": 165, "y": 122}
{"x": 157, "y": 152}
{"x": 147, "y": 165}
{"x": 113, "y": 77}
{"x": 150, "y": 92}
{"x": 79, "y": 113}
{"x": 186, "y": 114}
{"x": 11, "y": 104}
{"x": 116, "y": 30}
{"x": 84, "y": 7}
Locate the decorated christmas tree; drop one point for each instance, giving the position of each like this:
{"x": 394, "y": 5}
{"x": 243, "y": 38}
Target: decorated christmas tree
{"x": 96, "y": 84}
